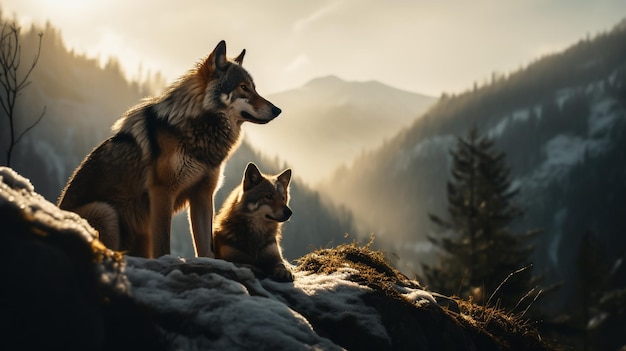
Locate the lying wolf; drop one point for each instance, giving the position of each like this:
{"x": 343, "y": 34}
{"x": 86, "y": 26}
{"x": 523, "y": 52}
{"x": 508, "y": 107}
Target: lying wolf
{"x": 248, "y": 226}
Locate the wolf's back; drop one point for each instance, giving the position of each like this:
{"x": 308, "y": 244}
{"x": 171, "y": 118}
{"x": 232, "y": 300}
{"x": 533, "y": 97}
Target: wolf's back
{"x": 112, "y": 172}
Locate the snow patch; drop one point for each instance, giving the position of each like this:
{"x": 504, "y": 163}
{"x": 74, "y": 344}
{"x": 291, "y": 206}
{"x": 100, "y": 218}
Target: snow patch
{"x": 11, "y": 181}
{"x": 331, "y": 297}
{"x": 499, "y": 128}
{"x": 562, "y": 152}
{"x": 17, "y": 192}
{"x": 564, "y": 94}
{"x": 602, "y": 117}
{"x": 520, "y": 115}
{"x": 229, "y": 305}
{"x": 416, "y": 296}
{"x": 424, "y": 148}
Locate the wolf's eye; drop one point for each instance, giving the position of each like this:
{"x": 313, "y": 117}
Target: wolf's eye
{"x": 268, "y": 196}
{"x": 244, "y": 87}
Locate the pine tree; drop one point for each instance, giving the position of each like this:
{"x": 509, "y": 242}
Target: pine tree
{"x": 480, "y": 255}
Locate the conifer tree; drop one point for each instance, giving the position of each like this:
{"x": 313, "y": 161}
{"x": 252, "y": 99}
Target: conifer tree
{"x": 480, "y": 255}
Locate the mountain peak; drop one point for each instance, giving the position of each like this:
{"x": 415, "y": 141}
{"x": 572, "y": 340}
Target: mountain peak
{"x": 329, "y": 80}
{"x": 329, "y": 121}
{"x": 371, "y": 88}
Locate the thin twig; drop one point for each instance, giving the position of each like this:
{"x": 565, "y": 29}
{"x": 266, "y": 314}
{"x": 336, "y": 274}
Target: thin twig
{"x": 31, "y": 126}
{"x": 524, "y": 298}
{"x": 530, "y": 304}
{"x": 505, "y": 280}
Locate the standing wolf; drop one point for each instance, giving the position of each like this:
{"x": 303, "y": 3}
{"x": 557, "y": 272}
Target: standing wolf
{"x": 247, "y": 228}
{"x": 166, "y": 153}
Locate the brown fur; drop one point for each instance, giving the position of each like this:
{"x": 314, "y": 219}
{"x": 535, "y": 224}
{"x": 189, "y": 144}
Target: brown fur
{"x": 248, "y": 227}
{"x": 167, "y": 153}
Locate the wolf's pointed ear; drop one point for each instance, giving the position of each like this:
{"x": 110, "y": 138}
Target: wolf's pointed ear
{"x": 216, "y": 60}
{"x": 251, "y": 177}
{"x": 239, "y": 59}
{"x": 285, "y": 177}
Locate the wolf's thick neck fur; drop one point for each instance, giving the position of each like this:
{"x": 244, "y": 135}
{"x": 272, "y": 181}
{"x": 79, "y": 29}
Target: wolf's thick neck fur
{"x": 202, "y": 125}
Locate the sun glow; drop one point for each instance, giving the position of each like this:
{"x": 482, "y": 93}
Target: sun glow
{"x": 85, "y": 33}
{"x": 68, "y": 12}
{"x": 71, "y": 6}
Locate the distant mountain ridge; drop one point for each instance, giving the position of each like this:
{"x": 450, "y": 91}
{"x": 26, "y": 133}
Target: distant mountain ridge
{"x": 328, "y": 122}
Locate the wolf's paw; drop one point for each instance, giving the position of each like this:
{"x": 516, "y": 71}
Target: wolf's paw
{"x": 282, "y": 273}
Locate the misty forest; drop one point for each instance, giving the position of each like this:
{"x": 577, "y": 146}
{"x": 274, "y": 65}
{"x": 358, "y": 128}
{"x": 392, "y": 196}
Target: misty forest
{"x": 509, "y": 194}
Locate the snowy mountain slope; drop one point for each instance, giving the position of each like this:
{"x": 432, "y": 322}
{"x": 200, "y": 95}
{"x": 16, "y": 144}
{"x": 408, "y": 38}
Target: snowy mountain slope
{"x": 64, "y": 289}
{"x": 561, "y": 122}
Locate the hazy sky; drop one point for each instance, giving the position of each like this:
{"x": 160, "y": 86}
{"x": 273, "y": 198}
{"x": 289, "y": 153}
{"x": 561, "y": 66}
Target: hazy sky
{"x": 424, "y": 46}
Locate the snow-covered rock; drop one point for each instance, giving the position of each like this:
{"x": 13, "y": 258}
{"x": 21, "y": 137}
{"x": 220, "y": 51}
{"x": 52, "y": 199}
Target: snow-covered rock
{"x": 63, "y": 288}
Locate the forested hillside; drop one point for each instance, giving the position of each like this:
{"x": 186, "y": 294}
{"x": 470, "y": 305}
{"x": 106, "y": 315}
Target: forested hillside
{"x": 561, "y": 121}
{"x": 81, "y": 101}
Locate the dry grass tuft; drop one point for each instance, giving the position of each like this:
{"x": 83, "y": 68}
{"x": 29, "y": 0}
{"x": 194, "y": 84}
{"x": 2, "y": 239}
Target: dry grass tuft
{"x": 489, "y": 327}
{"x": 368, "y": 267}
{"x": 509, "y": 330}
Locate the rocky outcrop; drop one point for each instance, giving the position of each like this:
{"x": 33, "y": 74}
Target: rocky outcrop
{"x": 62, "y": 288}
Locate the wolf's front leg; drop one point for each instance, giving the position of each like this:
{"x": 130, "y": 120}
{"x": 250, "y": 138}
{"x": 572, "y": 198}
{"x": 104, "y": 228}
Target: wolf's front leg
{"x": 272, "y": 258}
{"x": 281, "y": 273}
{"x": 201, "y": 221}
{"x": 161, "y": 208}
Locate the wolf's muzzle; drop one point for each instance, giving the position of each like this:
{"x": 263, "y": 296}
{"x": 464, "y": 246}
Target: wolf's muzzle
{"x": 285, "y": 216}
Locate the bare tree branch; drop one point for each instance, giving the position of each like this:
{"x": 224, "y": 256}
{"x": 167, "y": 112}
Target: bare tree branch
{"x": 32, "y": 66}
{"x": 12, "y": 85}
{"x": 43, "y": 112}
